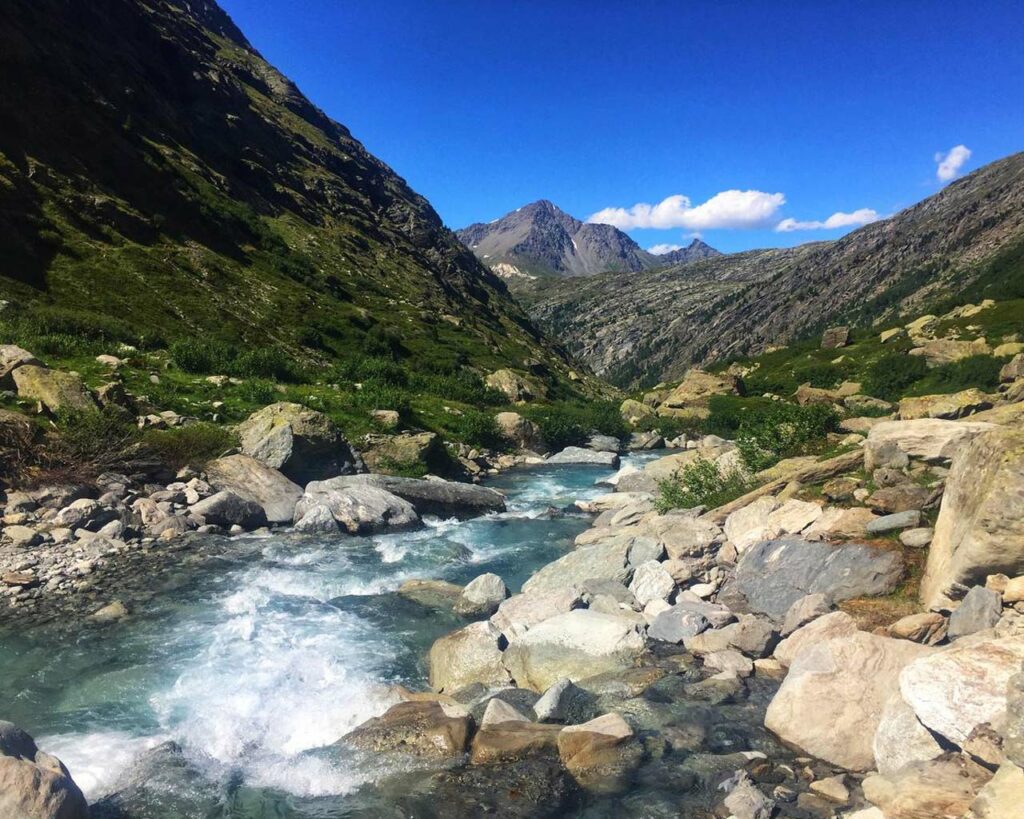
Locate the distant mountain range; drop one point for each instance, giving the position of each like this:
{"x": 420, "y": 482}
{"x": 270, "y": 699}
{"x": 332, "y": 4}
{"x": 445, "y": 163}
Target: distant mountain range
{"x": 964, "y": 243}
{"x": 540, "y": 239}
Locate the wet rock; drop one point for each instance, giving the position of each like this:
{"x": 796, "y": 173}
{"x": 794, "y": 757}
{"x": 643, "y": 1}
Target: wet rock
{"x": 580, "y": 455}
{"x": 507, "y": 734}
{"x": 773, "y": 575}
{"x": 566, "y": 703}
{"x": 228, "y": 509}
{"x": 980, "y": 529}
{"x": 253, "y": 480}
{"x": 420, "y": 728}
{"x": 482, "y": 596}
{"x": 317, "y": 519}
{"x": 110, "y": 612}
{"x": 304, "y": 444}
{"x": 602, "y": 754}
{"x": 34, "y": 784}
{"x": 433, "y": 496}
{"x": 357, "y": 509}
{"x": 979, "y": 610}
{"x": 433, "y": 594}
{"x": 745, "y": 800}
{"x": 468, "y": 655}
{"x": 831, "y": 701}
{"x": 578, "y": 644}
{"x": 955, "y": 690}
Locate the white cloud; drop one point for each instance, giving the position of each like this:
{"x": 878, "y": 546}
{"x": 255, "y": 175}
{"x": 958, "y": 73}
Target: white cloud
{"x": 950, "y": 163}
{"x": 661, "y": 250}
{"x": 728, "y": 209}
{"x": 862, "y": 216}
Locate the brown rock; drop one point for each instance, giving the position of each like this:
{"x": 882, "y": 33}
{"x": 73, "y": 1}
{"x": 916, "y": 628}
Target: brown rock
{"x": 421, "y": 728}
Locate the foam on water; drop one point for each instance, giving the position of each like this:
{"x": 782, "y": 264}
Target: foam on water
{"x": 97, "y": 758}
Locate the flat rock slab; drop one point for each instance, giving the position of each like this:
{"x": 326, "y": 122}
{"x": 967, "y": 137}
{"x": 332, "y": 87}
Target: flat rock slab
{"x": 579, "y": 455}
{"x": 434, "y": 496}
{"x": 774, "y": 574}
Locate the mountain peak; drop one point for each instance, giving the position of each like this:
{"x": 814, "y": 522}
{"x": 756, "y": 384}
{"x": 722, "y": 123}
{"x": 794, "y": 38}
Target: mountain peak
{"x": 541, "y": 239}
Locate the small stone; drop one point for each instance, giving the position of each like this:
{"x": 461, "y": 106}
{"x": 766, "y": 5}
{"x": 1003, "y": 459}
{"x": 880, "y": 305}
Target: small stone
{"x": 890, "y": 523}
{"x": 833, "y": 788}
{"x": 807, "y": 608}
{"x": 918, "y": 538}
{"x": 110, "y": 612}
{"x": 979, "y": 610}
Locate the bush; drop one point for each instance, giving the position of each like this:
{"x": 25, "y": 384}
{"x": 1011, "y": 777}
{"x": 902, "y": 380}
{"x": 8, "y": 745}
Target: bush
{"x": 477, "y": 429}
{"x": 699, "y": 483}
{"x": 825, "y": 376}
{"x": 465, "y": 386}
{"x": 265, "y": 362}
{"x": 728, "y": 412}
{"x": 565, "y": 425}
{"x": 202, "y": 356}
{"x": 891, "y": 376}
{"x": 258, "y": 391}
{"x": 668, "y": 427}
{"x": 91, "y": 441}
{"x": 194, "y": 444}
{"x": 383, "y": 342}
{"x": 783, "y": 430}
{"x": 383, "y": 396}
{"x": 981, "y": 371}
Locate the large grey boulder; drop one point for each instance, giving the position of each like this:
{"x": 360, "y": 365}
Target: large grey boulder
{"x": 607, "y": 560}
{"x": 482, "y": 596}
{"x": 580, "y": 455}
{"x": 774, "y": 574}
{"x": 433, "y": 496}
{"x": 576, "y": 645}
{"x": 255, "y": 481}
{"x": 54, "y": 389}
{"x": 980, "y": 529}
{"x": 926, "y": 439}
{"x": 33, "y": 784}
{"x": 830, "y": 704}
{"x": 227, "y": 509}
{"x": 469, "y": 655}
{"x": 954, "y": 691}
{"x": 686, "y": 619}
{"x": 358, "y": 509}
{"x": 302, "y": 443}
{"x": 521, "y": 612}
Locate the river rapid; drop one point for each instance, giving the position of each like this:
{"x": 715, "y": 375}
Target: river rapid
{"x": 253, "y": 667}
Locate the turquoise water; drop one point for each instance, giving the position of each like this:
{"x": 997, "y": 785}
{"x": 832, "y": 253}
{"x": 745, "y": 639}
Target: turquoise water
{"x": 253, "y": 665}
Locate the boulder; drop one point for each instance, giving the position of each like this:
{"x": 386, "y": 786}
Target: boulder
{"x": 830, "y": 704}
{"x": 644, "y": 441}
{"x": 588, "y": 457}
{"x": 54, "y": 389}
{"x": 521, "y": 432}
{"x": 482, "y": 596}
{"x": 918, "y": 538}
{"x": 634, "y": 411}
{"x": 901, "y": 738}
{"x": 980, "y": 528}
{"x": 608, "y": 560}
{"x": 514, "y": 386}
{"x": 891, "y": 523}
{"x": 651, "y": 582}
{"x": 432, "y": 594}
{"x": 604, "y": 443}
{"x": 433, "y": 496}
{"x": 387, "y": 454}
{"x": 837, "y": 523}
{"x": 980, "y": 609}
{"x": 227, "y": 509}
{"x": 317, "y": 519}
{"x": 687, "y": 619}
{"x": 358, "y": 509}
{"x": 835, "y": 625}
{"x": 753, "y": 636}
{"x": 33, "y": 784}
{"x": 954, "y": 691}
{"x": 255, "y": 481}
{"x": 835, "y": 337}
{"x": 928, "y": 627}
{"x": 422, "y": 728}
{"x": 578, "y": 644}
{"x": 900, "y": 498}
{"x": 304, "y": 444}
{"x": 952, "y": 406}
{"x": 1012, "y": 370}
{"x": 774, "y": 574}
{"x": 1001, "y": 796}
{"x": 745, "y": 800}
{"x": 11, "y": 357}
{"x": 793, "y": 517}
{"x": 564, "y": 702}
{"x": 469, "y": 655}
{"x": 691, "y": 397}
{"x": 749, "y": 525}
{"x": 600, "y": 754}
{"x": 932, "y": 789}
{"x": 928, "y": 439}
{"x": 511, "y": 739}
{"x": 660, "y": 469}
{"x": 523, "y": 611}
{"x": 807, "y": 608}
{"x": 946, "y": 351}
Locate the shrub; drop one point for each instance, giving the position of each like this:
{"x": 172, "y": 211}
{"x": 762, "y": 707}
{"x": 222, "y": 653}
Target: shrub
{"x": 825, "y": 376}
{"x": 90, "y": 441}
{"x": 202, "y": 356}
{"x": 265, "y": 362}
{"x": 726, "y": 413}
{"x": 981, "y": 371}
{"x": 699, "y": 483}
{"x": 383, "y": 342}
{"x": 464, "y": 386}
{"x": 383, "y": 396}
{"x": 258, "y": 391}
{"x": 477, "y": 429}
{"x": 783, "y": 430}
{"x": 194, "y": 444}
{"x": 567, "y": 424}
{"x": 892, "y": 375}
{"x": 668, "y": 426}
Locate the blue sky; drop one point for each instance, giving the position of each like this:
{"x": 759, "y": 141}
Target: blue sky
{"x": 814, "y": 108}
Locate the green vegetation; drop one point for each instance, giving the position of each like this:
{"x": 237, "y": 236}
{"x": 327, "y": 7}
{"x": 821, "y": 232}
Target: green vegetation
{"x": 783, "y": 430}
{"x": 981, "y": 371}
{"x": 571, "y": 424}
{"x": 892, "y": 375}
{"x": 699, "y": 483}
{"x": 190, "y": 445}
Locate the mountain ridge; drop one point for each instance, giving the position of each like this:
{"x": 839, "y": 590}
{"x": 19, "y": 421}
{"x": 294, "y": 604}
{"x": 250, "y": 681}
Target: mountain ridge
{"x": 966, "y": 239}
{"x": 540, "y": 239}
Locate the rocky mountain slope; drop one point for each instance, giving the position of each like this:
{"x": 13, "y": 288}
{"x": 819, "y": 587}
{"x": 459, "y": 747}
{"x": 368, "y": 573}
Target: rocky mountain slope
{"x": 540, "y": 239}
{"x": 159, "y": 180}
{"x": 967, "y": 240}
